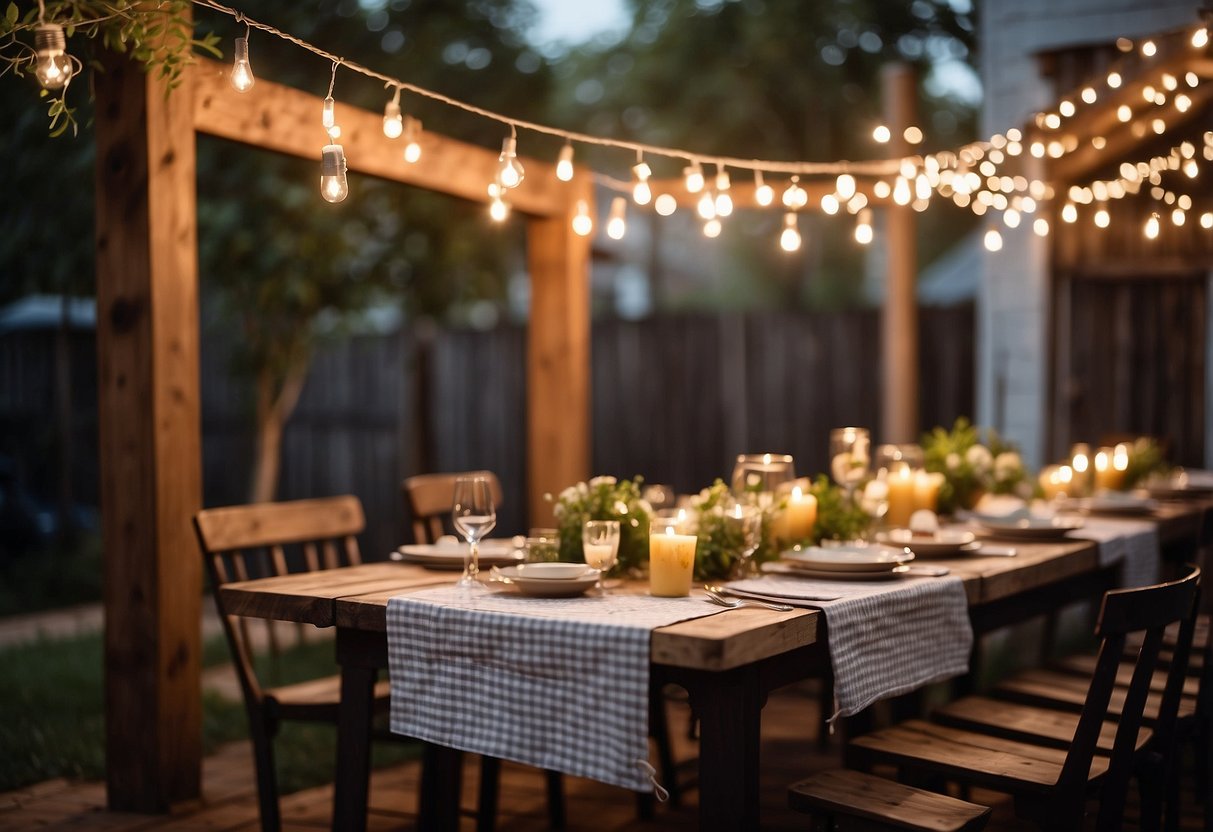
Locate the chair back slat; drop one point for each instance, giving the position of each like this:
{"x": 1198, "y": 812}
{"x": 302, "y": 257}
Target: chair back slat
{"x": 330, "y": 555}
{"x": 429, "y": 499}
{"x": 278, "y": 558}
{"x": 266, "y": 524}
{"x": 352, "y": 554}
{"x": 310, "y": 556}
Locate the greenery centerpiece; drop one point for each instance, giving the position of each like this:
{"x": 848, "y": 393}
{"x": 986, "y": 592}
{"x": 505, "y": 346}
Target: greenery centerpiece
{"x": 605, "y": 498}
{"x": 972, "y": 464}
{"x": 1145, "y": 458}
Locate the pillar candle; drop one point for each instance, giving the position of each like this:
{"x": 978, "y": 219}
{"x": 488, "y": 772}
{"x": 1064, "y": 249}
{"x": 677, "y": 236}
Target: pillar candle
{"x": 799, "y": 516}
{"x": 901, "y": 484}
{"x": 926, "y": 490}
{"x": 671, "y": 562}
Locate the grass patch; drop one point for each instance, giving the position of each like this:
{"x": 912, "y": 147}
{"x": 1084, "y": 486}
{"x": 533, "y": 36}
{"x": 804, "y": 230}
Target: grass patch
{"x": 52, "y": 698}
{"x": 59, "y": 576}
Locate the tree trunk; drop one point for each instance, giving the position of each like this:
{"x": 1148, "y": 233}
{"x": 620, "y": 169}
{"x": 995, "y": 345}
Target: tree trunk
{"x": 275, "y": 404}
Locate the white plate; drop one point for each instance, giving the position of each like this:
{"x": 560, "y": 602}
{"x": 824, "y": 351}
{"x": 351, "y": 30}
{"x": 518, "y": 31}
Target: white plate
{"x": 546, "y": 587}
{"x": 942, "y": 542}
{"x": 450, "y": 555}
{"x": 874, "y": 558}
{"x": 553, "y": 571}
{"x": 1117, "y": 504}
{"x": 1031, "y": 528}
{"x": 791, "y": 568}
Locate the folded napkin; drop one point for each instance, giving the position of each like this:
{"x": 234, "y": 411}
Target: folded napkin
{"x": 558, "y": 684}
{"x": 886, "y": 638}
{"x": 1131, "y": 543}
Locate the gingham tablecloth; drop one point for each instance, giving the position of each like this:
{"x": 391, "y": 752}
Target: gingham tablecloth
{"x": 886, "y": 638}
{"x": 1132, "y": 543}
{"x": 559, "y": 684}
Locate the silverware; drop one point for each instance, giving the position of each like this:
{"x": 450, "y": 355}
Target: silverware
{"x": 717, "y": 595}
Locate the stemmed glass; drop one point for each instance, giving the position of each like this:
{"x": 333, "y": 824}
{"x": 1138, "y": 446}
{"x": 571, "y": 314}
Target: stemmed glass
{"x": 600, "y": 542}
{"x": 474, "y": 516}
{"x": 743, "y": 522}
{"x": 850, "y": 457}
{"x": 756, "y": 476}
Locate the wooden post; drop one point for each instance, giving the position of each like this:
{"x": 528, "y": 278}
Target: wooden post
{"x": 558, "y": 357}
{"x": 899, "y": 323}
{"x": 151, "y": 483}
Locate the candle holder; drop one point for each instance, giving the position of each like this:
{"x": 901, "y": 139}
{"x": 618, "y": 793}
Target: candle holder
{"x": 899, "y": 468}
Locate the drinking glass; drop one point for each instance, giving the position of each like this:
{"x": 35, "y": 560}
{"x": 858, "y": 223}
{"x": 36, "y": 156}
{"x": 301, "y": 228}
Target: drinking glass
{"x": 474, "y": 516}
{"x": 600, "y": 542}
{"x": 850, "y": 457}
{"x": 756, "y": 476}
{"x": 743, "y": 522}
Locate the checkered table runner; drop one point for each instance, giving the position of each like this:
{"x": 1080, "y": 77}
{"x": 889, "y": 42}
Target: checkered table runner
{"x": 559, "y": 684}
{"x": 1132, "y": 543}
{"x": 886, "y": 638}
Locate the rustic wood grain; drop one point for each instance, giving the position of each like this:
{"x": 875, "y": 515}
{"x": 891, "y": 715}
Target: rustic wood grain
{"x": 276, "y": 524}
{"x": 1023, "y": 723}
{"x": 854, "y": 793}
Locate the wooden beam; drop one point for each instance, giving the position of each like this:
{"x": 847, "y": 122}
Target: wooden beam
{"x": 148, "y": 403}
{"x": 558, "y": 357}
{"x": 281, "y": 118}
{"x": 899, "y": 319}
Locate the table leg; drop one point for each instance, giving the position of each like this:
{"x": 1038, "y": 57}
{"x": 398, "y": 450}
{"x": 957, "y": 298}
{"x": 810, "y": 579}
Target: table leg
{"x": 441, "y": 789}
{"x": 729, "y": 707}
{"x": 353, "y": 734}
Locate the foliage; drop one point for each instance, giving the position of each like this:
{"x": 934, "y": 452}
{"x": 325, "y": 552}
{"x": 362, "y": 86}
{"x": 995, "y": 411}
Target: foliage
{"x": 720, "y": 542}
{"x": 63, "y": 574}
{"x": 972, "y": 464}
{"x": 1145, "y": 458}
{"x": 605, "y": 498}
{"x": 839, "y": 517}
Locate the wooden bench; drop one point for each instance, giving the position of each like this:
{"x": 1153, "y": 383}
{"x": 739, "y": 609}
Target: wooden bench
{"x": 852, "y": 800}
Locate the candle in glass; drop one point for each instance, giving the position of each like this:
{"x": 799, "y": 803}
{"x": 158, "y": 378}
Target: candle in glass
{"x": 926, "y": 490}
{"x": 1080, "y": 463}
{"x": 671, "y": 563}
{"x": 901, "y": 486}
{"x": 799, "y": 516}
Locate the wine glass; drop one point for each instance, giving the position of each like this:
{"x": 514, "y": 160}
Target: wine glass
{"x": 756, "y": 476}
{"x": 743, "y": 522}
{"x": 600, "y": 542}
{"x": 474, "y": 516}
{"x": 850, "y": 457}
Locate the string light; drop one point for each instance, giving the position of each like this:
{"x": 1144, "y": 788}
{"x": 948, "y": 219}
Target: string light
{"x": 52, "y": 65}
{"x": 642, "y": 194}
{"x": 993, "y": 240}
{"x": 829, "y": 204}
{"x": 333, "y": 184}
{"x": 1178, "y": 217}
{"x": 1069, "y": 213}
{"x": 764, "y": 194}
{"x": 242, "y": 79}
{"x": 1149, "y": 49}
{"x": 844, "y": 186}
{"x": 1200, "y": 38}
{"x": 1102, "y": 217}
{"x": 693, "y": 176}
{"x": 328, "y": 118}
{"x": 724, "y": 201}
{"x": 912, "y": 135}
{"x": 789, "y": 239}
{"x": 863, "y": 227}
{"x": 1011, "y": 218}
{"x": 1041, "y": 227}
{"x": 901, "y": 191}
{"x": 499, "y": 209}
{"x": 564, "y": 163}
{"x": 1114, "y": 80}
{"x": 665, "y": 204}
{"x": 712, "y": 228}
{"x": 412, "y": 139}
{"x": 707, "y": 205}
{"x": 1206, "y": 220}
{"x": 880, "y": 135}
{"x": 583, "y": 223}
{"x": 616, "y": 222}
{"x": 795, "y": 197}
{"x": 509, "y": 172}
{"x": 1151, "y": 229}
{"x": 393, "y": 121}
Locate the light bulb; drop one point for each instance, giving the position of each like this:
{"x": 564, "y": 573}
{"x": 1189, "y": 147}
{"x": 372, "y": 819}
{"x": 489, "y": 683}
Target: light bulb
{"x": 712, "y": 228}
{"x": 844, "y": 186}
{"x": 863, "y": 227}
{"x": 1011, "y": 218}
{"x": 795, "y": 197}
{"x": 1149, "y": 49}
{"x": 583, "y": 223}
{"x": 993, "y": 240}
{"x": 829, "y": 204}
{"x": 393, "y": 122}
{"x": 707, "y": 206}
{"x": 693, "y": 174}
{"x": 564, "y": 163}
{"x": 724, "y": 202}
{"x": 764, "y": 194}
{"x": 53, "y": 68}
{"x": 1089, "y": 96}
{"x": 901, "y": 191}
{"x": 1206, "y": 220}
{"x": 881, "y": 134}
{"x": 1114, "y": 79}
{"x": 1102, "y": 218}
{"x": 1178, "y": 217}
{"x": 510, "y": 173}
{"x": 616, "y": 222}
{"x": 665, "y": 204}
{"x": 1151, "y": 229}
{"x": 789, "y": 240}
{"x": 1066, "y": 108}
{"x": 328, "y": 115}
{"x": 333, "y": 185}
{"x": 242, "y": 72}
{"x": 1069, "y": 213}
{"x": 1200, "y": 38}
{"x": 1041, "y": 227}
{"x": 499, "y": 210}
{"x": 642, "y": 194}
{"x": 412, "y": 139}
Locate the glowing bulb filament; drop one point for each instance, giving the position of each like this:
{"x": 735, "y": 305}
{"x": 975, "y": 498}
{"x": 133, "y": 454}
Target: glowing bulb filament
{"x": 564, "y": 164}
{"x": 616, "y": 222}
{"x": 412, "y": 139}
{"x": 242, "y": 72}
{"x": 795, "y": 197}
{"x": 510, "y": 173}
{"x": 52, "y": 66}
{"x": 333, "y": 184}
{"x": 789, "y": 240}
{"x": 642, "y": 194}
{"x": 583, "y": 223}
{"x": 693, "y": 174}
{"x": 724, "y": 202}
{"x": 764, "y": 194}
{"x": 1152, "y": 227}
{"x": 863, "y": 227}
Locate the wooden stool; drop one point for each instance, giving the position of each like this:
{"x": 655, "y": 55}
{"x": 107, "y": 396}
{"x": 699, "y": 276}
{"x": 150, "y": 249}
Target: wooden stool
{"x": 854, "y": 800}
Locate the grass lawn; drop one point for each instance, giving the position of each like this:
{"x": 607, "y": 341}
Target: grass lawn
{"x": 52, "y": 698}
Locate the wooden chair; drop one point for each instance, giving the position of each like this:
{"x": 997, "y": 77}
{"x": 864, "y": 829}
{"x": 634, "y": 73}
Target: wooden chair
{"x": 1050, "y": 784}
{"x": 429, "y": 499}
{"x": 843, "y": 800}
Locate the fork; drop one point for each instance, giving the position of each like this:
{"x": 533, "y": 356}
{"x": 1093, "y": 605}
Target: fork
{"x": 717, "y": 596}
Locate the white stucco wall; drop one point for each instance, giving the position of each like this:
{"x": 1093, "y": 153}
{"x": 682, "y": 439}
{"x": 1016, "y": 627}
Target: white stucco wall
{"x": 1012, "y": 313}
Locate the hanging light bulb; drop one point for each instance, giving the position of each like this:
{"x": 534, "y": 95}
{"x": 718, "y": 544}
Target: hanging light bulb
{"x": 564, "y": 163}
{"x": 1149, "y": 49}
{"x": 510, "y": 172}
{"x": 1069, "y": 213}
{"x": 764, "y": 194}
{"x": 693, "y": 174}
{"x": 1011, "y": 218}
{"x": 242, "y": 72}
{"x": 844, "y": 186}
{"x": 333, "y": 185}
{"x": 665, "y": 204}
{"x": 901, "y": 191}
{"x": 328, "y": 118}
{"x": 1206, "y": 220}
{"x": 53, "y": 66}
{"x": 1151, "y": 229}
{"x": 1041, "y": 227}
{"x": 712, "y": 228}
{"x": 724, "y": 202}
{"x": 642, "y": 194}
{"x": 789, "y": 239}
{"x": 393, "y": 122}
{"x": 707, "y": 205}
{"x": 795, "y": 197}
{"x": 1114, "y": 79}
{"x": 412, "y": 139}
{"x": 993, "y": 240}
{"x": 829, "y": 204}
{"x": 583, "y": 223}
{"x": 1089, "y": 95}
{"x": 1200, "y": 38}
{"x": 499, "y": 209}
{"x": 863, "y": 227}
{"x": 1102, "y": 218}
{"x": 1178, "y": 217}
{"x": 616, "y": 223}
{"x": 881, "y": 134}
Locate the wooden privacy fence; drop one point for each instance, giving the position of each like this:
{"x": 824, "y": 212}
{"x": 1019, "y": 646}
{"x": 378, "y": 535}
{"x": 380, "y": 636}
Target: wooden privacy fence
{"x": 674, "y": 398}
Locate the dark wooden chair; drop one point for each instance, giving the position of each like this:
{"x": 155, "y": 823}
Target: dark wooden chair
{"x": 841, "y": 799}
{"x": 1051, "y": 784}
{"x": 429, "y": 499}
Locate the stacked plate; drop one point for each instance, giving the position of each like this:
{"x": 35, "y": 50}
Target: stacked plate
{"x": 449, "y": 554}
{"x": 1115, "y": 502}
{"x": 850, "y": 562}
{"x": 941, "y": 543}
{"x": 1028, "y": 527}
{"x": 548, "y": 580}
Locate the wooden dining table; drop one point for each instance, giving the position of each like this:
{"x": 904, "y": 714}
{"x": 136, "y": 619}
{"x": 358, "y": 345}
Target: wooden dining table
{"x": 728, "y": 663}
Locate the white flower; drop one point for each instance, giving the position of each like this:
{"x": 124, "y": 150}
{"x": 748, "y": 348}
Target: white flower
{"x": 643, "y": 506}
{"x": 979, "y": 457}
{"x": 1007, "y": 465}
{"x": 621, "y": 508}
{"x": 558, "y": 510}
{"x": 568, "y": 495}
{"x": 597, "y": 481}
{"x": 952, "y": 461}
{"x": 583, "y": 489}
